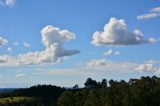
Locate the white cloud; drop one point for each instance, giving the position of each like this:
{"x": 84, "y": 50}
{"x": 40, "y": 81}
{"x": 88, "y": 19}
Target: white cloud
{"x": 53, "y": 39}
{"x": 7, "y": 60}
{"x": 16, "y": 43}
{"x": 116, "y": 33}
{"x": 153, "y": 13}
{"x": 108, "y": 65}
{"x": 156, "y": 9}
{"x": 27, "y": 45}
{"x": 9, "y": 49}
{"x": 111, "y": 52}
{"x": 102, "y": 66}
{"x": 20, "y": 76}
{"x": 3, "y": 41}
{"x": 147, "y": 16}
{"x": 145, "y": 67}
{"x": 9, "y": 3}
{"x": 117, "y": 53}
{"x": 152, "y": 40}
{"x": 3, "y": 59}
{"x": 149, "y": 66}
{"x": 98, "y": 62}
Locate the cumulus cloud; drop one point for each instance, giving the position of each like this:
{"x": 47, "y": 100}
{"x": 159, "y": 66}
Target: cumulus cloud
{"x": 53, "y": 39}
{"x": 153, "y": 13}
{"x": 20, "y": 76}
{"x": 116, "y": 33}
{"x": 3, "y": 41}
{"x": 27, "y": 45}
{"x": 9, "y": 3}
{"x": 145, "y": 67}
{"x": 111, "y": 52}
{"x": 7, "y": 60}
{"x": 149, "y": 66}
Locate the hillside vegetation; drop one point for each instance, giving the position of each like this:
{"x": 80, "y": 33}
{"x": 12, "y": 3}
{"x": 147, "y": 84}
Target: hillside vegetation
{"x": 136, "y": 92}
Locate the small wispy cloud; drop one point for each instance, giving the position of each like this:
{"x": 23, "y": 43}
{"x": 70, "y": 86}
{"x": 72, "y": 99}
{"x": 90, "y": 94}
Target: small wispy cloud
{"x": 111, "y": 52}
{"x": 156, "y": 9}
{"x": 27, "y": 45}
{"x": 9, "y": 49}
{"x": 9, "y": 3}
{"x": 103, "y": 64}
{"x": 153, "y": 13}
{"x": 3, "y": 41}
{"x": 20, "y": 76}
{"x": 147, "y": 16}
{"x": 16, "y": 43}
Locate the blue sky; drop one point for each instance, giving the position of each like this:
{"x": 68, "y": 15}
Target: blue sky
{"x": 63, "y": 42}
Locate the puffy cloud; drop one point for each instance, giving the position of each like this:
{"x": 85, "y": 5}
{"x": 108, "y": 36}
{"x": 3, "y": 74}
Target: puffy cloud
{"x": 7, "y": 60}
{"x": 154, "y": 12}
{"x": 152, "y": 40}
{"x": 145, "y": 67}
{"x": 20, "y": 76}
{"x": 116, "y": 33}
{"x": 27, "y": 45}
{"x": 111, "y": 52}
{"x": 3, "y": 59}
{"x": 53, "y": 39}
{"x": 150, "y": 66}
{"x": 3, "y": 41}
{"x": 147, "y": 16}
{"x": 9, "y": 3}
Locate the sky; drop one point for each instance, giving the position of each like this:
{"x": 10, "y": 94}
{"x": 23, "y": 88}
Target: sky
{"x": 64, "y": 42}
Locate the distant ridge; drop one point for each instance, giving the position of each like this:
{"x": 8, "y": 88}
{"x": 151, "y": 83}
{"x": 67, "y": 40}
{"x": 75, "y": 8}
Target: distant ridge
{"x": 4, "y": 90}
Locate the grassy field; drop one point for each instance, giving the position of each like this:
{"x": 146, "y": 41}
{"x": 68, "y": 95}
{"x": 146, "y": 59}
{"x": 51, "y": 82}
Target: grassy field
{"x": 14, "y": 99}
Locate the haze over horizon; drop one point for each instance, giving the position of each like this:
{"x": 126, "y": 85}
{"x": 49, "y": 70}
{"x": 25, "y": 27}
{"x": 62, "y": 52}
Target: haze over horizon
{"x": 62, "y": 42}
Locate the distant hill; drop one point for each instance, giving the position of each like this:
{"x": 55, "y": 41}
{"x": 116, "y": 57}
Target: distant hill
{"x": 5, "y": 90}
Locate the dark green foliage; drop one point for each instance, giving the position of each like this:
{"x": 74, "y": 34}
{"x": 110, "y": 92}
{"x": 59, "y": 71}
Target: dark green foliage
{"x": 136, "y": 92}
{"x": 44, "y": 95}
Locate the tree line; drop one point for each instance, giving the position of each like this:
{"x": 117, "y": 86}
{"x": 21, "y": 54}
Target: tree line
{"x": 136, "y": 92}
